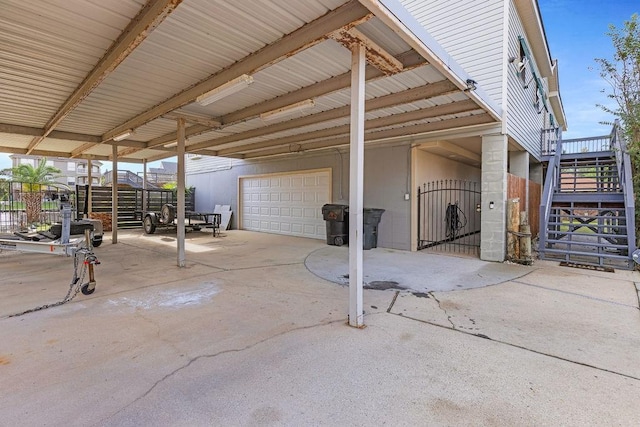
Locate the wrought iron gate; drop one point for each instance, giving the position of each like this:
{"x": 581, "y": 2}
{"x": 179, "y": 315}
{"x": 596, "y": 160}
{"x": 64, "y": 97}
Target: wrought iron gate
{"x": 449, "y": 216}
{"x": 26, "y": 205}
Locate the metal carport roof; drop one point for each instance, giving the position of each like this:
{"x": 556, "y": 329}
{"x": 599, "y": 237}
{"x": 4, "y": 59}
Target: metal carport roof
{"x": 119, "y": 81}
{"x": 76, "y": 73}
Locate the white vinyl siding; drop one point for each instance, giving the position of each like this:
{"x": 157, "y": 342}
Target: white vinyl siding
{"x": 288, "y": 204}
{"x": 199, "y": 164}
{"x": 471, "y": 32}
{"x": 524, "y": 123}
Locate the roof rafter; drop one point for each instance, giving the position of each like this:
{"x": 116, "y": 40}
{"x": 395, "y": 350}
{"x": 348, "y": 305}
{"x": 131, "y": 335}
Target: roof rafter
{"x": 149, "y": 17}
{"x": 375, "y": 54}
{"x": 68, "y": 136}
{"x": 409, "y": 60}
{"x": 395, "y": 119}
{"x": 346, "y": 16}
{"x": 460, "y": 122}
{"x": 419, "y": 93}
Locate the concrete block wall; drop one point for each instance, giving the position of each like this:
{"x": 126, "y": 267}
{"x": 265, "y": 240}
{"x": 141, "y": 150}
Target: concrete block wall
{"x": 494, "y": 190}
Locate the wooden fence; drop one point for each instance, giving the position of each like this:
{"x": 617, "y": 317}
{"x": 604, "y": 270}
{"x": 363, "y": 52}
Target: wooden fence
{"x": 130, "y": 202}
{"x": 517, "y": 187}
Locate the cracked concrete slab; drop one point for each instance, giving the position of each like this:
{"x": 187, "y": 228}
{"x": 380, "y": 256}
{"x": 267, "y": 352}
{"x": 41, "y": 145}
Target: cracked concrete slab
{"x": 416, "y": 271}
{"x": 562, "y": 322}
{"x": 246, "y": 335}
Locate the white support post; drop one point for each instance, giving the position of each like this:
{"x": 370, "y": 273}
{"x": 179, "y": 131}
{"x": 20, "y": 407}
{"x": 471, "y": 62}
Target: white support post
{"x": 356, "y": 186}
{"x": 90, "y": 187}
{"x": 144, "y": 187}
{"x": 181, "y": 201}
{"x": 114, "y": 195}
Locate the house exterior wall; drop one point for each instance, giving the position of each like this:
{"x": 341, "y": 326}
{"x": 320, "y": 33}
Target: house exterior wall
{"x": 386, "y": 181}
{"x": 431, "y": 167}
{"x": 471, "y": 31}
{"x": 523, "y": 121}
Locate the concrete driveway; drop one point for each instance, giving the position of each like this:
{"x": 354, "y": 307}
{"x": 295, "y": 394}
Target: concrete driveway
{"x": 248, "y": 335}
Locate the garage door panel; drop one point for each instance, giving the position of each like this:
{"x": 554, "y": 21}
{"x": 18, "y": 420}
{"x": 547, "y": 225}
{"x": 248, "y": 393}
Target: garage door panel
{"x": 286, "y": 204}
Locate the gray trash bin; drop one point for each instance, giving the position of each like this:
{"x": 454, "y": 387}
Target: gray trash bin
{"x": 337, "y": 218}
{"x": 371, "y": 219}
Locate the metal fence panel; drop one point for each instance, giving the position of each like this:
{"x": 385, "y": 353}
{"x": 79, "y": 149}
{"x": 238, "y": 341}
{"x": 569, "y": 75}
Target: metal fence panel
{"x": 449, "y": 216}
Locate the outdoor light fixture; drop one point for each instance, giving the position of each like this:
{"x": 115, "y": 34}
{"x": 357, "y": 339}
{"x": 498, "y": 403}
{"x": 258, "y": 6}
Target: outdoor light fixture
{"x": 127, "y": 133}
{"x": 471, "y": 84}
{"x": 288, "y": 110}
{"x": 222, "y": 91}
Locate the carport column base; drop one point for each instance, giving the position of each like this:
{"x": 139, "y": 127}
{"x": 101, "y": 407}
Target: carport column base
{"x": 493, "y": 232}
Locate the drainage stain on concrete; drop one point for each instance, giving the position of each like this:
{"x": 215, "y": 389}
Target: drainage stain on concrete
{"x": 4, "y": 360}
{"x": 421, "y": 294}
{"x": 383, "y": 285}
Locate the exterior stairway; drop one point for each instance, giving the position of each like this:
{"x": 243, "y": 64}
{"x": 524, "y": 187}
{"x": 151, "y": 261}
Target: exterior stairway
{"x": 587, "y": 209}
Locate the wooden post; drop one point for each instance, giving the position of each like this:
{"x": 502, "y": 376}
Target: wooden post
{"x": 513, "y": 227}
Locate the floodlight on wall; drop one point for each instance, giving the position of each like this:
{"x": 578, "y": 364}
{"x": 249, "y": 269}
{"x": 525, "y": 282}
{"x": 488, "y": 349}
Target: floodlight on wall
{"x": 288, "y": 110}
{"x": 222, "y": 91}
{"x": 127, "y": 133}
{"x": 471, "y": 85}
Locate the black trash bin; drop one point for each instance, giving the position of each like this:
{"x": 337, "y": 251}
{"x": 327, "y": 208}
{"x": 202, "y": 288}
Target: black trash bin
{"x": 370, "y": 220}
{"x": 337, "y": 218}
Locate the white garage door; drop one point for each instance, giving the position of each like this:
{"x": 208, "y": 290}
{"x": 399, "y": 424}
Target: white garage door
{"x": 286, "y": 203}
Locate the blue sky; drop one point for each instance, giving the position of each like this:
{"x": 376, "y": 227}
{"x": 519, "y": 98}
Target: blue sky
{"x": 576, "y": 33}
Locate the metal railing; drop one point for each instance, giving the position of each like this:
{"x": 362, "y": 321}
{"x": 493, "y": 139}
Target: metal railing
{"x": 586, "y": 145}
{"x": 601, "y": 166}
{"x": 549, "y": 143}
{"x": 549, "y": 140}
{"x": 623, "y": 161}
{"x": 154, "y": 180}
{"x": 550, "y": 185}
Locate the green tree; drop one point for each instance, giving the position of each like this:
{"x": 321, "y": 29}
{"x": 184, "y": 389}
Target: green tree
{"x": 623, "y": 75}
{"x": 33, "y": 179}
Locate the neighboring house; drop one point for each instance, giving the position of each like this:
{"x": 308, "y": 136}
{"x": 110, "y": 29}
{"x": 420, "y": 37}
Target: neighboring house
{"x": 166, "y": 173}
{"x": 501, "y": 44}
{"x": 72, "y": 171}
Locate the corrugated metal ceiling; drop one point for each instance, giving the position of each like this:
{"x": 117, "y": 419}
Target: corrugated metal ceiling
{"x": 48, "y": 48}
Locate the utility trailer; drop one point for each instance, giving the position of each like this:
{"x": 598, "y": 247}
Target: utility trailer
{"x": 79, "y": 247}
{"x": 166, "y": 218}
